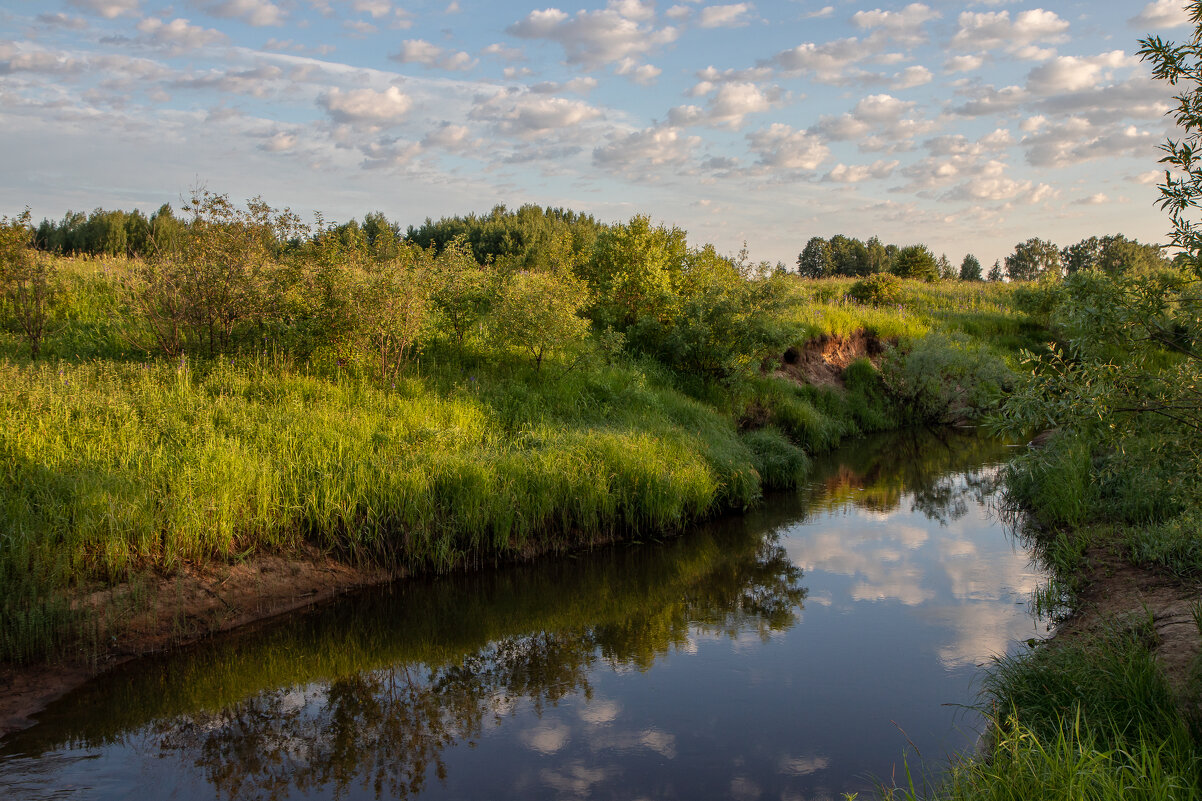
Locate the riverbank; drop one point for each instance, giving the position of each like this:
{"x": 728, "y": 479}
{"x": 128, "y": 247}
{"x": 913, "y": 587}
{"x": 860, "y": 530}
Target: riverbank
{"x": 157, "y": 612}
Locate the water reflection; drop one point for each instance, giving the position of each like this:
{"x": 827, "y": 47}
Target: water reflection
{"x": 673, "y": 670}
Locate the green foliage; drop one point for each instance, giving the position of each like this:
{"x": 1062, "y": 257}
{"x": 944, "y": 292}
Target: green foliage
{"x": 392, "y": 307}
{"x": 881, "y": 289}
{"x": 1033, "y": 259}
{"x": 463, "y": 291}
{"x": 26, "y": 282}
{"x": 945, "y": 378}
{"x": 539, "y": 313}
{"x": 915, "y": 261}
{"x": 814, "y": 261}
{"x": 780, "y": 463}
{"x": 520, "y": 239}
{"x": 1174, "y": 544}
{"x": 970, "y": 268}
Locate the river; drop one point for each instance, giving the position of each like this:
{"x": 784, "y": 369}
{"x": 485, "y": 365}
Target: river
{"x": 821, "y": 643}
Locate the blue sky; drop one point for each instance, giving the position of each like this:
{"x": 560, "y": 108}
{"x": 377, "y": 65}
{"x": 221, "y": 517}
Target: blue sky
{"x": 966, "y": 126}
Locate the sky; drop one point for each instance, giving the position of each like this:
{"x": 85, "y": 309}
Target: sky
{"x": 966, "y": 126}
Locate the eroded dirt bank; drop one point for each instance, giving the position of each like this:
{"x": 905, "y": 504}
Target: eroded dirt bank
{"x": 1118, "y": 593}
{"x": 158, "y": 612}
{"x": 822, "y": 360}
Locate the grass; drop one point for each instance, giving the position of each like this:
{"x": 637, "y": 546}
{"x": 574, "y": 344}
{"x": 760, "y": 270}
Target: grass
{"x": 1092, "y": 718}
{"x": 115, "y": 462}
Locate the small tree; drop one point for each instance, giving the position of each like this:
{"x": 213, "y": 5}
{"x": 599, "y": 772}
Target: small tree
{"x": 946, "y": 271}
{"x": 463, "y": 290}
{"x": 970, "y": 268}
{"x": 540, "y": 313}
{"x": 25, "y": 280}
{"x": 916, "y": 261}
{"x": 392, "y": 302}
{"x": 996, "y": 273}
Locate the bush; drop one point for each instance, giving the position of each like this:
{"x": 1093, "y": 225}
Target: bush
{"x": 780, "y": 463}
{"x": 881, "y": 289}
{"x": 945, "y": 378}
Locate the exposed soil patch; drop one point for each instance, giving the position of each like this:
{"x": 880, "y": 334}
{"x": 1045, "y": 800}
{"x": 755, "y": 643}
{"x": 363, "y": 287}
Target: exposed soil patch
{"x": 822, "y": 360}
{"x": 1117, "y": 591}
{"x": 158, "y": 612}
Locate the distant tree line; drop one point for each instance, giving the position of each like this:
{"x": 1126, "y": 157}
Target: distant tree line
{"x": 849, "y": 257}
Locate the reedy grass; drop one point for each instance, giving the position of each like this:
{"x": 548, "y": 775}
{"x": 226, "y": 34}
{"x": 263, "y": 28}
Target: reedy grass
{"x": 1090, "y": 718}
{"x": 115, "y": 462}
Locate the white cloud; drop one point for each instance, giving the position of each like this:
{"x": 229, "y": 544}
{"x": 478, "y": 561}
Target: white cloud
{"x": 109, "y": 9}
{"x": 376, "y": 9}
{"x": 504, "y": 52}
{"x": 990, "y": 100}
{"x": 1073, "y": 74}
{"x": 419, "y": 51}
{"x": 844, "y": 174}
{"x": 639, "y": 73}
{"x": 826, "y": 12}
{"x": 881, "y": 108}
{"x": 728, "y": 107}
{"x": 279, "y": 142}
{"x": 678, "y": 13}
{"x": 253, "y": 12}
{"x": 911, "y": 77}
{"x": 1097, "y": 199}
{"x": 450, "y": 137}
{"x": 904, "y": 25}
{"x": 963, "y": 63}
{"x": 1076, "y": 140}
{"x": 592, "y": 39}
{"x": 994, "y": 30}
{"x": 529, "y": 115}
{"x": 831, "y": 62}
{"x": 729, "y": 16}
{"x": 1161, "y": 14}
{"x": 366, "y": 105}
{"x": 651, "y": 147}
{"x": 178, "y": 33}
{"x": 779, "y": 147}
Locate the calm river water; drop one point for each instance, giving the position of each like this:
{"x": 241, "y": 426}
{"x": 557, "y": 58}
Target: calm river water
{"x": 802, "y": 651}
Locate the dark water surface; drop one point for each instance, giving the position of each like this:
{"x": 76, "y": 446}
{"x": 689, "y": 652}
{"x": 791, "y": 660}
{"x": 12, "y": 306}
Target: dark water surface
{"x": 798, "y": 652}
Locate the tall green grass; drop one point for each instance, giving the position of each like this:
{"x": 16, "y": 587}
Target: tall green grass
{"x": 1090, "y": 718}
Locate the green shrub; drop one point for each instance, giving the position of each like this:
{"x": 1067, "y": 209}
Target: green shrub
{"x": 881, "y": 289}
{"x": 780, "y": 463}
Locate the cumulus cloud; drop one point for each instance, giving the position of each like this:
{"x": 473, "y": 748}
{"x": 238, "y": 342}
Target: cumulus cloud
{"x": 988, "y": 100}
{"x": 366, "y": 106}
{"x": 279, "y": 142}
{"x": 728, "y": 107}
{"x": 730, "y": 16}
{"x": 259, "y": 13}
{"x": 1073, "y": 74}
{"x": 376, "y": 9}
{"x": 911, "y": 77}
{"x": 963, "y": 63}
{"x": 651, "y": 147}
{"x": 845, "y": 174}
{"x": 830, "y": 62}
{"x": 995, "y": 30}
{"x": 592, "y": 39}
{"x": 449, "y": 137}
{"x": 904, "y": 26}
{"x": 178, "y": 34}
{"x": 419, "y": 51}
{"x": 1076, "y": 140}
{"x": 1161, "y": 14}
{"x": 109, "y": 9}
{"x": 780, "y": 147}
{"x": 528, "y": 115}
{"x": 639, "y": 73}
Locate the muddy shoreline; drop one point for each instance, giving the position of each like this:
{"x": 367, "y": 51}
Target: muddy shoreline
{"x": 164, "y": 612}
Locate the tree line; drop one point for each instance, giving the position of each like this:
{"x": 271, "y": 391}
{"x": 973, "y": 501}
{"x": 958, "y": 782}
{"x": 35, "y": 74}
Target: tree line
{"x": 850, "y": 257}
{"x": 220, "y": 279}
